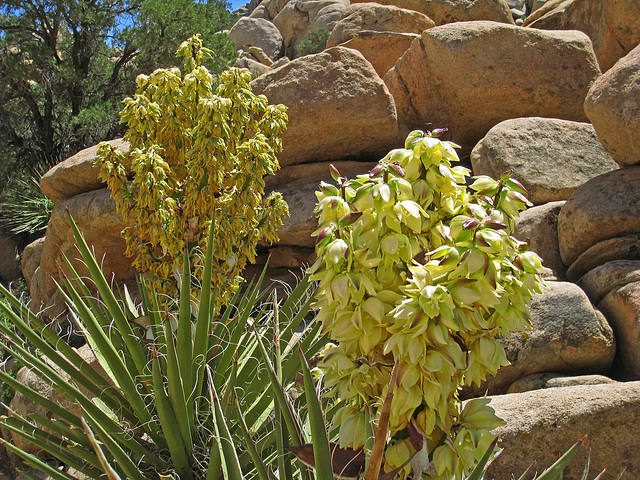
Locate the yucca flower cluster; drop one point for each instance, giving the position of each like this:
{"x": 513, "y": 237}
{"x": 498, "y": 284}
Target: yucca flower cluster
{"x": 420, "y": 273}
{"x": 196, "y": 149}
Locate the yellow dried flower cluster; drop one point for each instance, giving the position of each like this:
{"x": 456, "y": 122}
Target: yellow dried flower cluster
{"x": 419, "y": 271}
{"x": 197, "y": 152}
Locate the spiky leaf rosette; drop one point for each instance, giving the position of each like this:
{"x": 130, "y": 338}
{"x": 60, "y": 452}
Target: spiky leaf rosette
{"x": 196, "y": 149}
{"x": 417, "y": 269}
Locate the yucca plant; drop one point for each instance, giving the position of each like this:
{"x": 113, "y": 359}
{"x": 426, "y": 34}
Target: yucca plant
{"x": 174, "y": 373}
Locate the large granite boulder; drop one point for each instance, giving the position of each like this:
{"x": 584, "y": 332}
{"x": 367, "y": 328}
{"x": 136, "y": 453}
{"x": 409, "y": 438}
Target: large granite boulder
{"x": 338, "y": 107}
{"x": 470, "y": 76}
{"x": 539, "y": 226}
{"x": 622, "y": 308}
{"x": 76, "y": 174}
{"x": 268, "y": 9}
{"x": 381, "y": 49}
{"x": 598, "y": 282}
{"x": 96, "y": 216}
{"x": 612, "y": 26}
{"x": 299, "y": 17}
{"x": 449, "y": 11}
{"x": 626, "y": 247}
{"x": 569, "y": 336}
{"x": 540, "y": 381}
{"x": 613, "y": 106}
{"x": 258, "y": 32}
{"x": 361, "y": 17}
{"x": 550, "y": 157}
{"x": 543, "y": 424}
{"x": 604, "y": 208}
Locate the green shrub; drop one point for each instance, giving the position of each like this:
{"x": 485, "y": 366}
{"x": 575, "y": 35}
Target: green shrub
{"x": 314, "y": 43}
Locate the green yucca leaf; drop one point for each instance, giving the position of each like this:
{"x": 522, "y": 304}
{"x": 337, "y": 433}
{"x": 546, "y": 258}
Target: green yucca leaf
{"x": 128, "y": 467}
{"x": 206, "y": 312}
{"x": 554, "y": 472}
{"x": 130, "y": 338}
{"x": 321, "y": 452}
{"x": 294, "y": 429}
{"x": 185, "y": 422}
{"x": 169, "y": 421}
{"x": 184, "y": 347}
{"x": 53, "y": 445}
{"x": 61, "y": 428}
{"x": 480, "y": 468}
{"x": 34, "y": 461}
{"x": 229, "y": 458}
{"x": 263, "y": 472}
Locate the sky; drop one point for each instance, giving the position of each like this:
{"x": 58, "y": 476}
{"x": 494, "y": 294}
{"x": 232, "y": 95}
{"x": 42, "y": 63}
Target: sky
{"x": 237, "y": 3}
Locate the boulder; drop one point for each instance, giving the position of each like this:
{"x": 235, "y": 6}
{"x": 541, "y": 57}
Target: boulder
{"x": 268, "y": 9}
{"x": 381, "y": 49}
{"x": 569, "y": 336}
{"x": 543, "y": 424}
{"x": 622, "y": 309}
{"x": 255, "y": 67}
{"x": 338, "y": 107}
{"x": 361, "y": 17}
{"x": 470, "y": 76}
{"x": 287, "y": 256}
{"x": 555, "y": 380}
{"x": 539, "y": 225}
{"x": 96, "y": 216}
{"x": 449, "y": 11}
{"x": 30, "y": 262}
{"x": 550, "y": 157}
{"x": 612, "y": 26}
{"x": 611, "y": 275}
{"x": 299, "y": 17}
{"x": 76, "y": 174}
{"x": 613, "y": 106}
{"x": 618, "y": 248}
{"x": 258, "y": 32}
{"x": 605, "y": 207}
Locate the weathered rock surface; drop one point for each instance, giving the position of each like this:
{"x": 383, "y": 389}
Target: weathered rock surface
{"x": 622, "y": 309}
{"x": 613, "y": 106}
{"x": 449, "y": 11}
{"x": 96, "y": 216}
{"x": 470, "y": 76}
{"x": 268, "y": 9}
{"x": 31, "y": 260}
{"x": 554, "y": 380}
{"x": 361, "y": 17}
{"x": 540, "y": 226}
{"x": 381, "y": 49}
{"x": 550, "y": 157}
{"x": 605, "y": 207}
{"x": 258, "y": 32}
{"x": 299, "y": 17}
{"x": 76, "y": 174}
{"x": 255, "y": 67}
{"x": 611, "y": 275}
{"x": 569, "y": 336}
{"x": 618, "y": 248}
{"x": 543, "y": 424}
{"x": 612, "y": 26}
{"x": 326, "y": 94}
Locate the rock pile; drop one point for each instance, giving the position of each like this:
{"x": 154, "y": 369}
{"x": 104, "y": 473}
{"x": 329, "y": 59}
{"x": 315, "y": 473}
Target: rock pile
{"x": 513, "y": 98}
